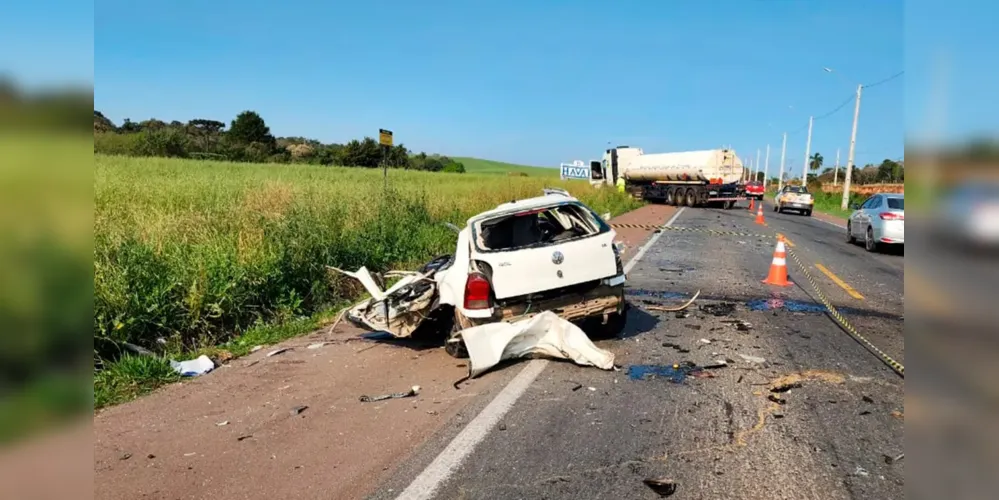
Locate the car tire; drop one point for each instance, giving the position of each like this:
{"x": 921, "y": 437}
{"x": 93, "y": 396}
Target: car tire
{"x": 808, "y": 213}
{"x": 849, "y": 234}
{"x": 596, "y": 329}
{"x": 454, "y": 346}
{"x": 780, "y": 209}
{"x": 869, "y": 244}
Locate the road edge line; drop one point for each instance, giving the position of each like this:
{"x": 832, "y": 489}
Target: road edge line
{"x": 447, "y": 462}
{"x": 652, "y": 241}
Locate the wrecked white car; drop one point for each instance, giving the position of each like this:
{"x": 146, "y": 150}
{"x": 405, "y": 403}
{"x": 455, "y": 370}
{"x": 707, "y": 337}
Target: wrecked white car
{"x": 550, "y": 253}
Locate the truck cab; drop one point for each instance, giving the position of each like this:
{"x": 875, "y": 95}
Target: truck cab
{"x": 611, "y": 167}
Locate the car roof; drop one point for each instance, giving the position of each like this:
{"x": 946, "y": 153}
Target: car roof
{"x": 525, "y": 204}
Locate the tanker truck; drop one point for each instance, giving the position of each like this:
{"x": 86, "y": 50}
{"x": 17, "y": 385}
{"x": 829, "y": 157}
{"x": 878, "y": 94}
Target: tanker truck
{"x": 691, "y": 178}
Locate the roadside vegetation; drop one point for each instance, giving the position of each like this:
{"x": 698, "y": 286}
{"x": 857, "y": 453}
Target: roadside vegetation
{"x": 194, "y": 256}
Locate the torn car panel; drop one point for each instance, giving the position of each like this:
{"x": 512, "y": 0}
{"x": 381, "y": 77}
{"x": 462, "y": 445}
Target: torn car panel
{"x": 402, "y": 308}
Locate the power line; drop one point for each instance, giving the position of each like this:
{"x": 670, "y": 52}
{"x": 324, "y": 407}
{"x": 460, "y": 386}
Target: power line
{"x": 886, "y": 80}
{"x": 837, "y": 108}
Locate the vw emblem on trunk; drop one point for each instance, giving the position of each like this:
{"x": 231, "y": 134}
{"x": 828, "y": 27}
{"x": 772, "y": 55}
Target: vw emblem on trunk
{"x": 557, "y": 257}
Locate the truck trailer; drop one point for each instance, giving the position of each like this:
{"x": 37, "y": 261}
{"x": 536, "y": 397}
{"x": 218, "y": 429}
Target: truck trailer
{"x": 691, "y": 178}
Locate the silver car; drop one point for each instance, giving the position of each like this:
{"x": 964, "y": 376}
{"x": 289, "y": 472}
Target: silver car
{"x": 879, "y": 220}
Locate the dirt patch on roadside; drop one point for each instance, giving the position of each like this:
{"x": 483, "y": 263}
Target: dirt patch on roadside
{"x": 242, "y": 432}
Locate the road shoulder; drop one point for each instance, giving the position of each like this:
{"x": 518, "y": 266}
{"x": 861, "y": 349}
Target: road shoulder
{"x": 241, "y": 430}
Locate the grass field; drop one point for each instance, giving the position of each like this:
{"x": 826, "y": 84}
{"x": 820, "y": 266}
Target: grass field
{"x": 190, "y": 254}
{"x": 479, "y": 166}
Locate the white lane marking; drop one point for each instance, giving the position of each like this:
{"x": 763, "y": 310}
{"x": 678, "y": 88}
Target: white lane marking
{"x": 830, "y": 223}
{"x": 438, "y": 472}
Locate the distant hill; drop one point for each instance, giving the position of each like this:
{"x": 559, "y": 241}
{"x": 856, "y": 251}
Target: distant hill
{"x": 480, "y": 166}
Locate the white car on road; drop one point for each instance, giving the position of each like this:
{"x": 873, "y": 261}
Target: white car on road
{"x": 549, "y": 253}
{"x": 877, "y": 221}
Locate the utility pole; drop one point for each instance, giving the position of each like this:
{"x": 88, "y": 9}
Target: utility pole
{"x": 849, "y": 157}
{"x": 808, "y": 147}
{"x": 756, "y": 166}
{"x": 783, "y": 149}
{"x": 836, "y": 172}
{"x": 766, "y": 169}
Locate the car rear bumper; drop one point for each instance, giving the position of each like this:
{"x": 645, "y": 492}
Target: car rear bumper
{"x": 798, "y": 206}
{"x": 893, "y": 232}
{"x": 598, "y": 301}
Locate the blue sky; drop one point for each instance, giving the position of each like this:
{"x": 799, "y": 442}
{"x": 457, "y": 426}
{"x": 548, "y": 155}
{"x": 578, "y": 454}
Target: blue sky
{"x": 526, "y": 82}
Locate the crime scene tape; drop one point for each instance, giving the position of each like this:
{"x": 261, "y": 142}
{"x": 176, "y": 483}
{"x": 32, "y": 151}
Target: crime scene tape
{"x": 690, "y": 230}
{"x": 836, "y": 315}
{"x": 888, "y": 360}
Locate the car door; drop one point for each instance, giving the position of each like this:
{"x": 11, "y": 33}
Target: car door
{"x": 857, "y": 226}
{"x": 870, "y": 212}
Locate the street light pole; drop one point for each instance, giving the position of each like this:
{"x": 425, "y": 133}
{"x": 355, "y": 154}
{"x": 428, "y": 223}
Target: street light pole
{"x": 766, "y": 169}
{"x": 783, "y": 149}
{"x": 836, "y": 172}
{"x": 849, "y": 159}
{"x": 808, "y": 147}
{"x": 756, "y": 166}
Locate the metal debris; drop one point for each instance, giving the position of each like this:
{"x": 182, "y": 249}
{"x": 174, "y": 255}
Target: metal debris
{"x": 298, "y": 410}
{"x": 662, "y": 487}
{"x": 676, "y": 309}
{"x": 408, "y": 394}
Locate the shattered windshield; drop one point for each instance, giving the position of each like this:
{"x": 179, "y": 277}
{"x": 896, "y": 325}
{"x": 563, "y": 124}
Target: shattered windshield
{"x": 537, "y": 227}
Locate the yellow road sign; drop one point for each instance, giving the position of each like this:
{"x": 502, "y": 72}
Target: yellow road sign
{"x": 384, "y": 137}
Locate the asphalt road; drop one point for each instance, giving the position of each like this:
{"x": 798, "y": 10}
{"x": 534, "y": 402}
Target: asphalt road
{"x": 718, "y": 437}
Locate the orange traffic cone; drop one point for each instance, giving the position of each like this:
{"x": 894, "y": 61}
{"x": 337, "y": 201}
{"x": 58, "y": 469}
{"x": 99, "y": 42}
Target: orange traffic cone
{"x": 778, "y": 266}
{"x": 759, "y": 215}
{"x": 751, "y": 205}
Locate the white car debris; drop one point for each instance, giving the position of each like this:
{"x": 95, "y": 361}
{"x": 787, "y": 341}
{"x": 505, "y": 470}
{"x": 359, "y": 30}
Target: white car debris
{"x": 550, "y": 253}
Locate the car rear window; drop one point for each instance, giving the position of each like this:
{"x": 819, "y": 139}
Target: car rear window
{"x": 896, "y": 203}
{"x": 537, "y": 228}
{"x": 797, "y": 189}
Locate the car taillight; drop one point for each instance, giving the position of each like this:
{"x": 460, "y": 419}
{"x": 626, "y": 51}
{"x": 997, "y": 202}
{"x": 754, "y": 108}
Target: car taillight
{"x": 477, "y": 292}
{"x": 892, "y": 216}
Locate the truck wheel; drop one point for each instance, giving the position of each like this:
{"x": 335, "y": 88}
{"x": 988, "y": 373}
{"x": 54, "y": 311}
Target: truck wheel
{"x": 669, "y": 196}
{"x": 729, "y": 205}
{"x": 691, "y": 197}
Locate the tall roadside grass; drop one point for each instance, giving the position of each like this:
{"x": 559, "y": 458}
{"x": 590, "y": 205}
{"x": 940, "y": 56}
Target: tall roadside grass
{"x": 189, "y": 254}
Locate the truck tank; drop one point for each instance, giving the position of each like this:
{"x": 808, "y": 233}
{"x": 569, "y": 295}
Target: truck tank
{"x": 714, "y": 166}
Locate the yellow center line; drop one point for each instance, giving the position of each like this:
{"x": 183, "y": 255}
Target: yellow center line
{"x": 836, "y": 279}
{"x": 786, "y": 241}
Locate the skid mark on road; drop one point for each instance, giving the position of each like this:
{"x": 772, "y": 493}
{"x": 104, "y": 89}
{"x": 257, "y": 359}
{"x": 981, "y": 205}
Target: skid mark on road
{"x": 842, "y": 284}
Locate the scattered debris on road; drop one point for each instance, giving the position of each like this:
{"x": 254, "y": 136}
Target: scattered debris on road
{"x": 222, "y": 423}
{"x": 675, "y": 309}
{"x": 244, "y": 437}
{"x": 785, "y": 386}
{"x": 662, "y": 487}
{"x": 413, "y": 391}
{"x": 720, "y": 309}
{"x": 704, "y": 341}
{"x": 256, "y": 348}
{"x": 675, "y": 373}
{"x": 279, "y": 351}
{"x": 194, "y": 367}
{"x": 317, "y": 345}
{"x": 890, "y": 459}
{"x": 776, "y": 398}
{"x": 753, "y": 359}
{"x": 298, "y": 410}
{"x": 125, "y": 456}
{"x": 676, "y": 347}
{"x": 897, "y": 414}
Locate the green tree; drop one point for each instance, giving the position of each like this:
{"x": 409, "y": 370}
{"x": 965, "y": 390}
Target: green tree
{"x": 364, "y": 153}
{"x": 815, "y": 162}
{"x": 249, "y": 127}
{"x": 888, "y": 171}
